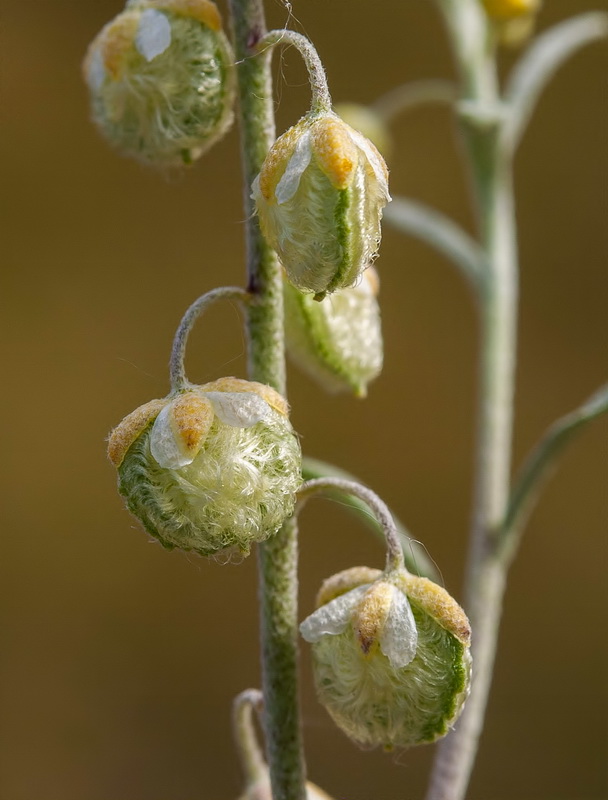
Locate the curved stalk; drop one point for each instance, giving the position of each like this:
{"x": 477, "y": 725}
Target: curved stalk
{"x": 394, "y": 552}
{"x": 277, "y": 557}
{"x": 321, "y": 99}
{"x": 245, "y": 739}
{"x": 177, "y": 370}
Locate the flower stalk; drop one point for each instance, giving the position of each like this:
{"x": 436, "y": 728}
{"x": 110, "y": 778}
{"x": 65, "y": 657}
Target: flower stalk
{"x": 278, "y": 556}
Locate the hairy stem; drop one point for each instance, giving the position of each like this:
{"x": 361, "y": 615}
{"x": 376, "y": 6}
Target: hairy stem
{"x": 278, "y": 556}
{"x": 394, "y": 552}
{"x": 177, "y": 369}
{"x": 490, "y": 170}
{"x": 321, "y": 99}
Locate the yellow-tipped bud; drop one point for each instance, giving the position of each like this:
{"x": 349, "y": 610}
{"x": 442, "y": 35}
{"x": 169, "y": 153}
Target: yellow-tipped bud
{"x": 211, "y": 469}
{"x": 510, "y": 9}
{"x": 513, "y": 20}
{"x": 319, "y": 197}
{"x": 390, "y": 656}
{"x": 338, "y": 341}
{"x": 162, "y": 80}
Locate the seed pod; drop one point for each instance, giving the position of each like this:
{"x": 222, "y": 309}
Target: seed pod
{"x": 390, "y": 656}
{"x": 212, "y": 469}
{"x": 162, "y": 80}
{"x": 338, "y": 341}
{"x": 319, "y": 197}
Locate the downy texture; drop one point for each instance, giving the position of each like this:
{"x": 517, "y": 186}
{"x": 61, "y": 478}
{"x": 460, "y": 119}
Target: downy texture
{"x": 337, "y": 341}
{"x": 212, "y": 469}
{"x": 162, "y": 83}
{"x": 319, "y": 197}
{"x": 390, "y": 656}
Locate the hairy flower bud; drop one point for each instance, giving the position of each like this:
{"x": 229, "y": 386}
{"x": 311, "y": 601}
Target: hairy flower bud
{"x": 319, "y": 197}
{"x": 162, "y": 80}
{"x": 211, "y": 469}
{"x": 339, "y": 340}
{"x": 390, "y": 655}
{"x": 513, "y": 20}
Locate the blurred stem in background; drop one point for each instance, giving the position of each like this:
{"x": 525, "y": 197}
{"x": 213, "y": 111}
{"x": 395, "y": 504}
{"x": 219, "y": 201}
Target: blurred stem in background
{"x": 490, "y": 128}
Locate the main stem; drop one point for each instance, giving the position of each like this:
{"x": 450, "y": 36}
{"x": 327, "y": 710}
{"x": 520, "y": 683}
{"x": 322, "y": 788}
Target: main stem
{"x": 486, "y": 572}
{"x": 278, "y": 556}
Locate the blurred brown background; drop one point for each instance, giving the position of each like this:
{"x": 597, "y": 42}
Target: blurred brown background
{"x": 120, "y": 660}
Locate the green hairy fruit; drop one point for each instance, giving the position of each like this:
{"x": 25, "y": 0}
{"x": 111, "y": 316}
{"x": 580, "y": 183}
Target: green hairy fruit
{"x": 161, "y": 77}
{"x": 337, "y": 341}
{"x": 212, "y": 470}
{"x": 390, "y": 656}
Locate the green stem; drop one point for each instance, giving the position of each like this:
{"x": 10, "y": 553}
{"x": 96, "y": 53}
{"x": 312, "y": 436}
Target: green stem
{"x": 278, "y": 556}
{"x": 486, "y": 572}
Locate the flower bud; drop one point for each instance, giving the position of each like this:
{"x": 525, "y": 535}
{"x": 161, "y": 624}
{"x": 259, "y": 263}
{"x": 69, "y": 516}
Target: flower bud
{"x": 319, "y": 197}
{"x": 162, "y": 80}
{"x": 338, "y": 341}
{"x": 502, "y": 10}
{"x": 513, "y": 20}
{"x": 211, "y": 469}
{"x": 390, "y": 656}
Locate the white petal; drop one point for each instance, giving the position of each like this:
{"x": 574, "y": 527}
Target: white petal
{"x": 239, "y": 409}
{"x": 375, "y": 163}
{"x": 153, "y": 34}
{"x": 290, "y": 179}
{"x": 332, "y": 618}
{"x": 164, "y": 444}
{"x": 399, "y": 636}
{"x": 96, "y": 73}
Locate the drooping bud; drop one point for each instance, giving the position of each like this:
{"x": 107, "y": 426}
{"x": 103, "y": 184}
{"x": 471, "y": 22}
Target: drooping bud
{"x": 337, "y": 341}
{"x": 212, "y": 469}
{"x": 162, "y": 80}
{"x": 319, "y": 197}
{"x": 390, "y": 656}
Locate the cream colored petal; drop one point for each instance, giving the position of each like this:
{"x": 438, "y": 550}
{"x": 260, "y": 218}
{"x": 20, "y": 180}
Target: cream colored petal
{"x": 230, "y": 384}
{"x": 399, "y": 636}
{"x": 180, "y": 430}
{"x": 334, "y": 617}
{"x": 290, "y": 179}
{"x": 153, "y": 35}
{"x": 239, "y": 409}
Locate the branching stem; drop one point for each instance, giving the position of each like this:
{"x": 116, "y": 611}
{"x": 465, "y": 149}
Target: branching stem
{"x": 491, "y": 174}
